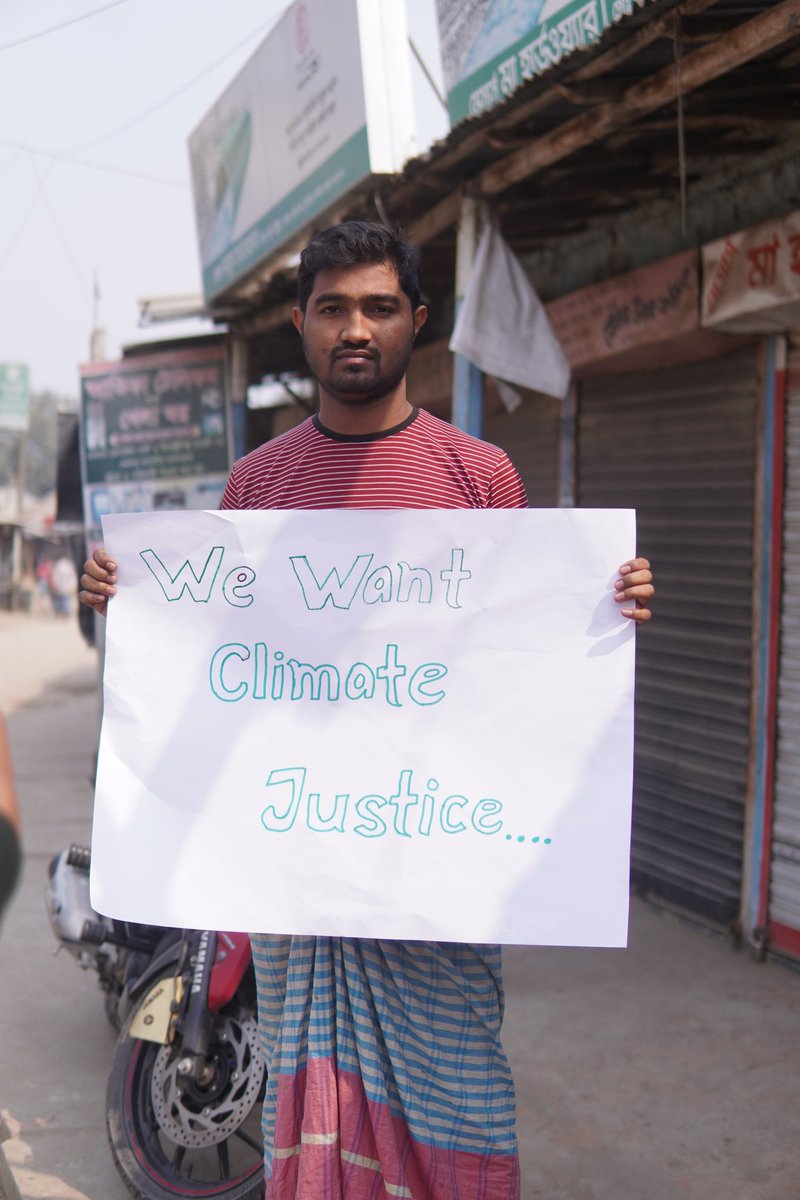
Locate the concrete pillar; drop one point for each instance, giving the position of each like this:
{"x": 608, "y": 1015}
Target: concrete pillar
{"x": 467, "y": 409}
{"x": 238, "y": 380}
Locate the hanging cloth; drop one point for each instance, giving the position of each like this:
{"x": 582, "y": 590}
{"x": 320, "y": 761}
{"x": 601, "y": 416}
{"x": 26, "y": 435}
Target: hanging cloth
{"x": 502, "y": 326}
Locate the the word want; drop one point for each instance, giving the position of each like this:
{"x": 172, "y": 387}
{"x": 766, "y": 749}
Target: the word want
{"x": 400, "y": 583}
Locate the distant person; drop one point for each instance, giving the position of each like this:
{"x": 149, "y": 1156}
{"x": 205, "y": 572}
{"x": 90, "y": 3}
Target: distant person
{"x": 63, "y": 585}
{"x": 10, "y": 847}
{"x": 43, "y": 572}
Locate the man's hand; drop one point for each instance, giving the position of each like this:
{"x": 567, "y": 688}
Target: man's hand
{"x": 636, "y": 584}
{"x": 98, "y": 581}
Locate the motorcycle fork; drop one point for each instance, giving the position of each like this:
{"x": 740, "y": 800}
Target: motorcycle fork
{"x": 198, "y": 1018}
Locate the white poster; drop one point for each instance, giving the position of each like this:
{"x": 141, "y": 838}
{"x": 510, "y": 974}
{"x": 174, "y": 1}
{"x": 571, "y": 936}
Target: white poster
{"x": 362, "y": 723}
{"x": 323, "y": 102}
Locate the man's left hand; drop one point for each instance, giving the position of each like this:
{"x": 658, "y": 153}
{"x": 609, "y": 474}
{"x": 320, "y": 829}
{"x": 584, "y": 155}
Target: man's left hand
{"x": 635, "y": 585}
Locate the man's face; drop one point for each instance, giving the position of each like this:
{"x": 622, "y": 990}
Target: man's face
{"x": 358, "y": 331}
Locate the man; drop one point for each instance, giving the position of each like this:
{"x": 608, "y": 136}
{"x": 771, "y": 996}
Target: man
{"x": 386, "y": 1073}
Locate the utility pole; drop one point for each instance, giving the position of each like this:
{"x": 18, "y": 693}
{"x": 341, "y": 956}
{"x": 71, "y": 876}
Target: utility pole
{"x": 467, "y": 405}
{"x": 97, "y": 338}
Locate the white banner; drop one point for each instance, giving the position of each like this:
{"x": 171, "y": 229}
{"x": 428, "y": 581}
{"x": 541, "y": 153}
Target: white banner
{"x": 375, "y": 724}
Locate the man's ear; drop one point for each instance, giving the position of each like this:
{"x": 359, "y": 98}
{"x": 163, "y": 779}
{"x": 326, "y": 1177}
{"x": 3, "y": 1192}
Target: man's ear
{"x": 298, "y": 316}
{"x": 420, "y": 317}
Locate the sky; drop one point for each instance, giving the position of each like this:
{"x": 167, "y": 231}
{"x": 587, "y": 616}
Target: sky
{"x": 97, "y": 102}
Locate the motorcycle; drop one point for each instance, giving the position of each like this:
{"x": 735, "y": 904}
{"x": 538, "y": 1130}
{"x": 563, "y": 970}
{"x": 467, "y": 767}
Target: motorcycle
{"x": 187, "y": 1077}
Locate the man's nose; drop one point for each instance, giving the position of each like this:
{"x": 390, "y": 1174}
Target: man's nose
{"x": 355, "y": 327}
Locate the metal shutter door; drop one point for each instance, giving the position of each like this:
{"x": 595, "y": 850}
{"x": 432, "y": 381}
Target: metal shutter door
{"x": 679, "y": 446}
{"x": 530, "y": 437}
{"x": 784, "y": 896}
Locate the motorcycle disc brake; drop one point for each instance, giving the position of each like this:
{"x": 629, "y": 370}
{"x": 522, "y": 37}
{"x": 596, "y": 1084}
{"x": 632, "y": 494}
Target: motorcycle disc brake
{"x": 197, "y": 1115}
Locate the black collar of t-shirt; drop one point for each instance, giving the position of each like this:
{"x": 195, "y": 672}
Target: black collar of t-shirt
{"x": 364, "y": 437}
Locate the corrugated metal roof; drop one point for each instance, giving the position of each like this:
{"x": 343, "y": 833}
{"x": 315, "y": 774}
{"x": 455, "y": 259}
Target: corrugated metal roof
{"x": 589, "y": 140}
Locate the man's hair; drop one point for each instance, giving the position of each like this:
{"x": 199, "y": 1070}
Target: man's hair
{"x": 353, "y": 243}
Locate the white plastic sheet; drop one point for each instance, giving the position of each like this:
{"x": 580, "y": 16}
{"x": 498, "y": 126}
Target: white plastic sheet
{"x": 362, "y": 723}
{"x": 502, "y": 326}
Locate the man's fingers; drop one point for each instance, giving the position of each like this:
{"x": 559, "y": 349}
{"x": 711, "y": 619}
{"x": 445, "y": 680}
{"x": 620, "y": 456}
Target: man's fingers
{"x": 639, "y": 615}
{"x": 94, "y": 600}
{"x": 98, "y": 581}
{"x": 633, "y": 579}
{"x": 100, "y": 566}
{"x": 634, "y": 564}
{"x": 635, "y": 585}
{"x": 642, "y": 591}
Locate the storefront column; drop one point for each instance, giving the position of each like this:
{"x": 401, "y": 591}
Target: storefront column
{"x": 766, "y": 630}
{"x": 467, "y": 410}
{"x": 569, "y": 424}
{"x": 238, "y": 380}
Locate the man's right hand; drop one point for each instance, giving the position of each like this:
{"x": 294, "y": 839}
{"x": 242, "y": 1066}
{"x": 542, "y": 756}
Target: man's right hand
{"x": 98, "y": 581}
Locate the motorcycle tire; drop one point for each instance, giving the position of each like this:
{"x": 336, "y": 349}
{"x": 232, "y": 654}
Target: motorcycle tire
{"x": 172, "y": 1139}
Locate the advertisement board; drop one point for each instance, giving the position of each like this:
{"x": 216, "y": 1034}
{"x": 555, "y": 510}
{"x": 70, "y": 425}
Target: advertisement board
{"x": 751, "y": 278}
{"x": 491, "y": 47}
{"x": 324, "y": 103}
{"x": 154, "y": 433}
{"x": 647, "y": 305}
{"x": 14, "y": 395}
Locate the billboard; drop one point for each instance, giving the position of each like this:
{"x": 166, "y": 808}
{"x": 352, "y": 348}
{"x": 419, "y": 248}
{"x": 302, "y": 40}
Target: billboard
{"x": 325, "y": 102}
{"x": 14, "y": 395}
{"x": 154, "y": 433}
{"x": 491, "y": 47}
{"x": 649, "y": 304}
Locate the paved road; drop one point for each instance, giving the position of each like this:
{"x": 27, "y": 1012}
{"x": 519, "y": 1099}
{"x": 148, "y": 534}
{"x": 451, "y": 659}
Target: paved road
{"x": 670, "y": 1071}
{"x": 56, "y": 1043}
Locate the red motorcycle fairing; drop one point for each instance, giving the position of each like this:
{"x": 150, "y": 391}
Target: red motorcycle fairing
{"x": 231, "y": 961}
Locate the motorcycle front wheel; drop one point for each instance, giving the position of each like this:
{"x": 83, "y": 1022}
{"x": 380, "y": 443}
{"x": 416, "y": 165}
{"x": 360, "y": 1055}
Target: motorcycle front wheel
{"x": 174, "y": 1138}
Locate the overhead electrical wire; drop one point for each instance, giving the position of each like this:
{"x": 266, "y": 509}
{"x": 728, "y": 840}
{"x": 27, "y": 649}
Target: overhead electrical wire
{"x": 179, "y": 91}
{"x": 32, "y": 37}
{"x": 12, "y": 242}
{"x": 70, "y": 156}
{"x": 78, "y": 162}
{"x": 85, "y": 291}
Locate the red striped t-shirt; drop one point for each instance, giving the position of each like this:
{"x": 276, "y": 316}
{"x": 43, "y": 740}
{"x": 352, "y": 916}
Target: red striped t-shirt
{"x": 422, "y": 463}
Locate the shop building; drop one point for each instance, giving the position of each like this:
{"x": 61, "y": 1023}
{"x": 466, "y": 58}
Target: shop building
{"x": 620, "y": 170}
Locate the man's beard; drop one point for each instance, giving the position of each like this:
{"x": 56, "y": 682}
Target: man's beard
{"x": 362, "y": 385}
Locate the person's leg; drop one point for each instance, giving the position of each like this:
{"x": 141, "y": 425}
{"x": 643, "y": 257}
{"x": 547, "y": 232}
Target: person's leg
{"x": 386, "y": 1070}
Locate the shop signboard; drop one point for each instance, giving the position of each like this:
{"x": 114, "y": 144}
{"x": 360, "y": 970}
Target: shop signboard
{"x": 751, "y": 279}
{"x": 154, "y": 433}
{"x": 650, "y": 304}
{"x": 14, "y": 396}
{"x": 491, "y": 47}
{"x": 324, "y": 103}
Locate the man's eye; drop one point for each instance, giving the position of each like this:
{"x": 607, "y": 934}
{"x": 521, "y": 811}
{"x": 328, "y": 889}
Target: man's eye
{"x": 329, "y": 308}
{"x": 383, "y": 310}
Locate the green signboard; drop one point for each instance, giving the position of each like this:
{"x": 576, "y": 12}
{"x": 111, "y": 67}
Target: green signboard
{"x": 154, "y": 433}
{"x": 14, "y": 395}
{"x": 491, "y": 47}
